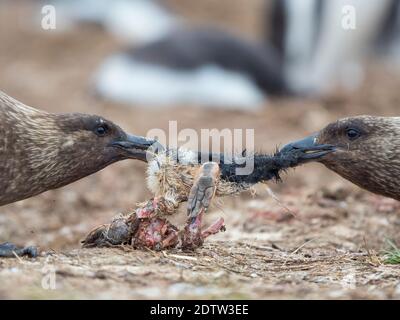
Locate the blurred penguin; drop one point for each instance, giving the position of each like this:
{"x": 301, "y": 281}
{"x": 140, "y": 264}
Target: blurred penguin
{"x": 388, "y": 40}
{"x": 168, "y": 63}
{"x": 322, "y": 52}
{"x": 200, "y": 66}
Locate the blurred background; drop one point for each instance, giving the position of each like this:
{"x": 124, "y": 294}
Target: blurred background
{"x": 283, "y": 68}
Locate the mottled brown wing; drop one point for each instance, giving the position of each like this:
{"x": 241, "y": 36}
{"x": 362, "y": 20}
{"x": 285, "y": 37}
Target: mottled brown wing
{"x": 203, "y": 189}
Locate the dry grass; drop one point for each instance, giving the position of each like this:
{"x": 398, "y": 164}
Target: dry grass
{"x": 222, "y": 269}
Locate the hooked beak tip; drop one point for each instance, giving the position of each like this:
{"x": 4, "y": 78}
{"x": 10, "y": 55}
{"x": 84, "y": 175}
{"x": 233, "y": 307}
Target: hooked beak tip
{"x": 134, "y": 146}
{"x": 307, "y": 149}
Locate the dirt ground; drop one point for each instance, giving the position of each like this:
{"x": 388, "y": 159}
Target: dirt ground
{"x": 331, "y": 248}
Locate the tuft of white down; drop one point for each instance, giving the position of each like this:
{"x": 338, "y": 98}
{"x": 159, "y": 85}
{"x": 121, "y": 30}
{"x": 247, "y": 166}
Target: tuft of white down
{"x": 153, "y": 168}
{"x": 160, "y": 160}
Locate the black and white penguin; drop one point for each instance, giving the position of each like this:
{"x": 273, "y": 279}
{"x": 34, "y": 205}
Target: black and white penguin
{"x": 203, "y": 65}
